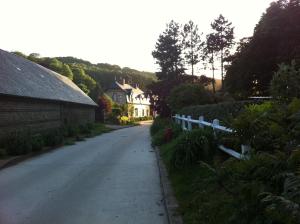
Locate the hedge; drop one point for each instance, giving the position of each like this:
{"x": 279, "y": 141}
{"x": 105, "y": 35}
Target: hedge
{"x": 223, "y": 111}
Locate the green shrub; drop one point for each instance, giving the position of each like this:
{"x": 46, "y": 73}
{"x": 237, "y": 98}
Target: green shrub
{"x": 18, "y": 143}
{"x": 159, "y": 124}
{"x": 99, "y": 128}
{"x": 3, "y": 152}
{"x": 264, "y": 188}
{"x": 71, "y": 131}
{"x": 225, "y": 112}
{"x": 37, "y": 142}
{"x": 252, "y": 179}
{"x": 191, "y": 147}
{"x": 116, "y": 111}
{"x": 166, "y": 134}
{"x": 285, "y": 84}
{"x": 269, "y": 126}
{"x": 158, "y": 138}
{"x": 85, "y": 129}
{"x": 54, "y": 138}
{"x": 134, "y": 119}
{"x": 188, "y": 94}
{"x": 113, "y": 119}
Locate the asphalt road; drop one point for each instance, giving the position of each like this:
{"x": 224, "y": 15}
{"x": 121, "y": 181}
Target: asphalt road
{"x": 109, "y": 179}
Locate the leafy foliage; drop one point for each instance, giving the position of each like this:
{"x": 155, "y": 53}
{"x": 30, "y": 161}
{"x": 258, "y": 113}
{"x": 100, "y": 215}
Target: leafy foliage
{"x": 263, "y": 189}
{"x": 275, "y": 41}
{"x": 191, "y": 147}
{"x": 165, "y": 135}
{"x": 224, "y": 111}
{"x": 188, "y": 95}
{"x": 285, "y": 84}
{"x": 209, "y": 54}
{"x": 269, "y": 126}
{"x": 25, "y": 142}
{"x": 160, "y": 91}
{"x": 105, "y": 103}
{"x": 192, "y": 44}
{"x": 91, "y": 78}
{"x": 159, "y": 124}
{"x": 167, "y": 53}
{"x": 221, "y": 39}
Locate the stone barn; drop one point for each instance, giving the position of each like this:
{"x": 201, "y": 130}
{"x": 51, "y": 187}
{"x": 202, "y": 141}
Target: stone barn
{"x": 36, "y": 98}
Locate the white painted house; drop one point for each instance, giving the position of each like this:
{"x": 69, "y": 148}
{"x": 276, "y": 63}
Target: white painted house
{"x": 138, "y": 103}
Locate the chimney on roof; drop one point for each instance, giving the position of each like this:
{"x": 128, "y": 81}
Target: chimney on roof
{"x": 136, "y": 86}
{"x": 124, "y": 81}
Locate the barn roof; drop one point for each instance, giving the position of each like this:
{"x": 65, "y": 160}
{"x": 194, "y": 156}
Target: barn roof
{"x": 21, "y": 77}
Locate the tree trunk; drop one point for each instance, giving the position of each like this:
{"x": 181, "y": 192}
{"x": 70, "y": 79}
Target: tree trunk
{"x": 222, "y": 74}
{"x": 213, "y": 69}
{"x": 192, "y": 48}
{"x": 192, "y": 69}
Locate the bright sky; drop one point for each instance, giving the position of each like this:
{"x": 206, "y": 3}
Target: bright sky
{"x": 121, "y": 32}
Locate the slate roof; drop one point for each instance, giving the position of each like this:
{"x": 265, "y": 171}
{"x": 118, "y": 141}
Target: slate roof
{"x": 127, "y": 88}
{"x": 21, "y": 77}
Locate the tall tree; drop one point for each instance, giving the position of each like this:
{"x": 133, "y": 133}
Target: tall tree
{"x": 168, "y": 51}
{"x": 223, "y": 32}
{"x": 55, "y": 65}
{"x": 276, "y": 40}
{"x": 210, "y": 49}
{"x": 66, "y": 71}
{"x": 84, "y": 81}
{"x": 192, "y": 44}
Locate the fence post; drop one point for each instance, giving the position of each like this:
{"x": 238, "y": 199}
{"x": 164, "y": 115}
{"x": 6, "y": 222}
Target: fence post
{"x": 183, "y": 122}
{"x": 201, "y": 118}
{"x": 245, "y": 149}
{"x": 216, "y": 122}
{"x": 178, "y": 119}
{"x": 189, "y": 123}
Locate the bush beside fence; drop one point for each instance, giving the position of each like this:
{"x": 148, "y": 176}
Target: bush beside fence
{"x": 24, "y": 142}
{"x": 223, "y": 111}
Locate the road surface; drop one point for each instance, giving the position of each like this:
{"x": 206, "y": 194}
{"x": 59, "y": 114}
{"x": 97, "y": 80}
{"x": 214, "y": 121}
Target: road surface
{"x": 109, "y": 179}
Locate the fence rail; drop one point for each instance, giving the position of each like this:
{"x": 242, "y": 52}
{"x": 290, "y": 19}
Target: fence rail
{"x": 186, "y": 124}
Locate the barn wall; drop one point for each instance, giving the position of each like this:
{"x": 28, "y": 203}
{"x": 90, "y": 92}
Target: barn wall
{"x": 18, "y": 114}
{"x": 77, "y": 114}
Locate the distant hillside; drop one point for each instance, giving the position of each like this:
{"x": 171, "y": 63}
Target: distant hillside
{"x": 93, "y": 79}
{"x": 105, "y": 73}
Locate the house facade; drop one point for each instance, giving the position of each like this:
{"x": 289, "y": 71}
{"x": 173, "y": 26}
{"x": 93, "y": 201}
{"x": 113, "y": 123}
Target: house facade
{"x": 137, "y": 102}
{"x": 37, "y": 99}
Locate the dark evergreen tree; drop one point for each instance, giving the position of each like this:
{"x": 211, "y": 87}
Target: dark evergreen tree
{"x": 276, "y": 40}
{"x": 168, "y": 51}
{"x": 210, "y": 50}
{"x": 192, "y": 44}
{"x": 223, "y": 34}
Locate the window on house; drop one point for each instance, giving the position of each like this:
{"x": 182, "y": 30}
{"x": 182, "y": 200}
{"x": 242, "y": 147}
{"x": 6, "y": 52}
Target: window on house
{"x": 136, "y": 112}
{"x": 120, "y": 98}
{"x": 143, "y": 113}
{"x": 147, "y": 113}
{"x": 114, "y": 97}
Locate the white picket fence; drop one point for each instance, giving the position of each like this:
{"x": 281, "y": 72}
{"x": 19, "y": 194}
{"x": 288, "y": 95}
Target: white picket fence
{"x": 186, "y": 124}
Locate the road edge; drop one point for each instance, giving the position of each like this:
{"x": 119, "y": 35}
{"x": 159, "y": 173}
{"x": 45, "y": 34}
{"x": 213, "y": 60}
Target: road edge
{"x": 170, "y": 202}
{"x": 14, "y": 160}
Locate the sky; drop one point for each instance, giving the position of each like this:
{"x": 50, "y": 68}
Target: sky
{"x": 122, "y": 32}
